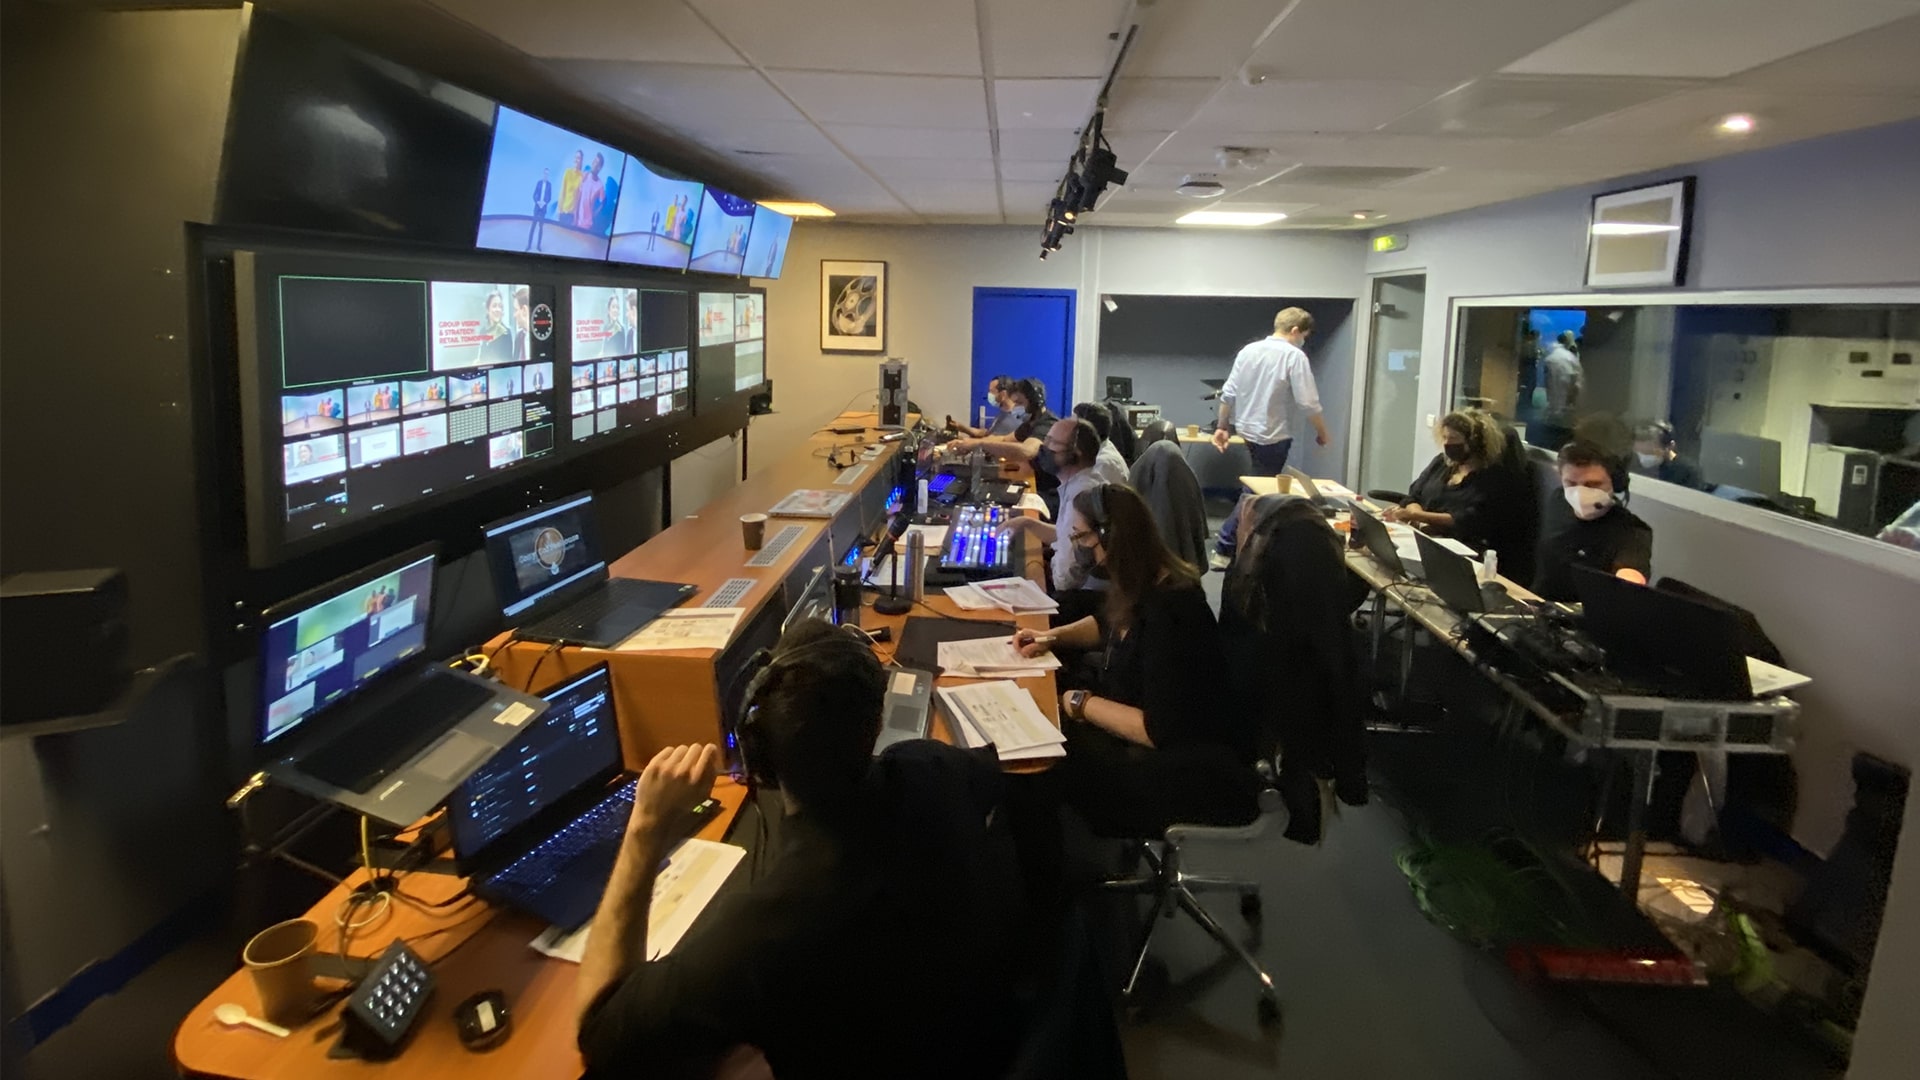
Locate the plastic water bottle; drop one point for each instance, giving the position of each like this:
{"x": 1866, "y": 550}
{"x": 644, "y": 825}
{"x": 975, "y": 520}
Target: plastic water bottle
{"x": 1489, "y": 566}
{"x": 920, "y": 498}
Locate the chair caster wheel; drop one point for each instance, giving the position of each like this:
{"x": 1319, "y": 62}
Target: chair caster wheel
{"x": 1250, "y": 907}
{"x": 1269, "y": 1011}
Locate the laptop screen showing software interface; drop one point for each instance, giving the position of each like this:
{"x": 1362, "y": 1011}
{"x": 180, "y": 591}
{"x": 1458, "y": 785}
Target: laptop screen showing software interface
{"x": 573, "y": 742}
{"x": 544, "y": 552}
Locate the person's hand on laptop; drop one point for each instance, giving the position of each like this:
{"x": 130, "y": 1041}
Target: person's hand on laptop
{"x": 673, "y": 783}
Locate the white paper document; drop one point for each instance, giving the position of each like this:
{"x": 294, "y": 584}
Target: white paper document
{"x": 689, "y": 628}
{"x": 968, "y": 598}
{"x": 1018, "y": 595}
{"x": 691, "y": 877}
{"x": 1005, "y": 715}
{"x": 1032, "y": 501}
{"x": 935, "y": 535}
{"x": 991, "y": 658}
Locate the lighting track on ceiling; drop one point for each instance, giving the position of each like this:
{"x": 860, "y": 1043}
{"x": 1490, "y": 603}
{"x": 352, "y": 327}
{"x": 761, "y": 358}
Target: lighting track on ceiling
{"x": 1093, "y": 165}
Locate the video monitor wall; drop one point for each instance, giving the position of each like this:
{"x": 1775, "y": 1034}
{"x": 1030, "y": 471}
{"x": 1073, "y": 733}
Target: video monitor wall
{"x": 391, "y": 390}
{"x": 629, "y": 364}
{"x": 549, "y": 191}
{"x": 654, "y": 223}
{"x": 720, "y": 236}
{"x": 731, "y": 356}
{"x": 767, "y": 243}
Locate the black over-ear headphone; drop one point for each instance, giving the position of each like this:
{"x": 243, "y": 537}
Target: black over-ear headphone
{"x": 749, "y": 737}
{"x": 1097, "y": 512}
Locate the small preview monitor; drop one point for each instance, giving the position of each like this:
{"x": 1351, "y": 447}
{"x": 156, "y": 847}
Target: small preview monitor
{"x": 716, "y": 318}
{"x": 749, "y": 365}
{"x": 720, "y": 236}
{"x": 654, "y": 223}
{"x": 543, "y": 552}
{"x": 605, "y": 322}
{"x": 322, "y": 647}
{"x": 478, "y": 324}
{"x": 549, "y": 191}
{"x": 767, "y": 244}
{"x": 749, "y": 317}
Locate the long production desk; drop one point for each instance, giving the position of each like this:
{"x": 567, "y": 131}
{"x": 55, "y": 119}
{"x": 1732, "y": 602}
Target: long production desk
{"x": 661, "y": 699}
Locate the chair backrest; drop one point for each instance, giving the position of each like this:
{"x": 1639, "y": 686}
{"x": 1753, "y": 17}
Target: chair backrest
{"x": 1160, "y": 430}
{"x": 1123, "y": 438}
{"x": 1167, "y": 483}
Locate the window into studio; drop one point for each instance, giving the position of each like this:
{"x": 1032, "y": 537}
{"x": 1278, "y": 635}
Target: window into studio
{"x": 1808, "y": 410}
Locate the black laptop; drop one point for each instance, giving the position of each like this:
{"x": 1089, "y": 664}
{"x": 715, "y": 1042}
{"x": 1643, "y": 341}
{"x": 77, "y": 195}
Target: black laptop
{"x": 1662, "y": 643}
{"x": 552, "y": 581}
{"x": 1373, "y": 533}
{"x": 1456, "y": 581}
{"x": 355, "y": 713}
{"x": 538, "y": 828}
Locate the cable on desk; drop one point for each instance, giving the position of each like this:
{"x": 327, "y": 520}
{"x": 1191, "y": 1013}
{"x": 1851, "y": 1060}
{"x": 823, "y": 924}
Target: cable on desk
{"x": 512, "y": 636}
{"x": 535, "y": 673}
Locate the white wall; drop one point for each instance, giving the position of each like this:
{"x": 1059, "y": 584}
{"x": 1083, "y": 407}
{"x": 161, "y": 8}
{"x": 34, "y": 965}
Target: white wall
{"x": 1832, "y": 212}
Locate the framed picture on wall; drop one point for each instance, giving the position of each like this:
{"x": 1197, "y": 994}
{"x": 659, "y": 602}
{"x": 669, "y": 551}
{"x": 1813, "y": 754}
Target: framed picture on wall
{"x": 853, "y": 307}
{"x": 1639, "y": 237}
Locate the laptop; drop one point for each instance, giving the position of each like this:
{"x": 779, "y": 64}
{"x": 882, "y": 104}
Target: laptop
{"x": 1373, "y": 533}
{"x": 537, "y": 829}
{"x": 354, "y": 711}
{"x": 1455, "y": 579}
{"x": 551, "y": 579}
{"x": 1663, "y": 643}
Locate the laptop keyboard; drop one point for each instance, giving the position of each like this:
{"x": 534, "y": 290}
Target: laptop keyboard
{"x": 390, "y": 735}
{"x": 579, "y": 618}
{"x": 533, "y": 872}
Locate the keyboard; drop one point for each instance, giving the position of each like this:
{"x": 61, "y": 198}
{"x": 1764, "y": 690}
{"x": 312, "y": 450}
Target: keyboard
{"x": 598, "y": 828}
{"x": 388, "y": 737}
{"x": 631, "y": 603}
{"x": 577, "y": 619}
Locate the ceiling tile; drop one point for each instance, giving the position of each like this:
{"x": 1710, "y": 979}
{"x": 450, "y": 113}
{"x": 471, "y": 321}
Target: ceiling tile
{"x": 864, "y": 140}
{"x": 1881, "y": 60}
{"x": 887, "y": 100}
{"x": 1048, "y": 172}
{"x": 1313, "y": 105}
{"x": 1132, "y": 147}
{"x": 761, "y": 137}
{"x": 953, "y": 196}
{"x": 908, "y": 170}
{"x": 1044, "y": 103}
{"x": 1027, "y": 199}
{"x": 1044, "y": 38}
{"x": 1417, "y": 42}
{"x": 1520, "y": 105}
{"x": 1039, "y": 146}
{"x": 905, "y": 37}
{"x": 682, "y": 94}
{"x": 1156, "y": 104}
{"x": 600, "y": 30}
{"x": 1201, "y": 38}
{"x": 1704, "y": 38}
{"x": 1780, "y": 115}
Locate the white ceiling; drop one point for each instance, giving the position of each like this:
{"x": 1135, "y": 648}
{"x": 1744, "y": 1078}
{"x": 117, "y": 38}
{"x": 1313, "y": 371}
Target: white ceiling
{"x": 948, "y": 110}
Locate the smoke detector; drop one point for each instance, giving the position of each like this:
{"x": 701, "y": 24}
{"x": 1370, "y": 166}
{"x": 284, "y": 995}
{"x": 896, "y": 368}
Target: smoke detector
{"x": 1242, "y": 157}
{"x": 1201, "y": 186}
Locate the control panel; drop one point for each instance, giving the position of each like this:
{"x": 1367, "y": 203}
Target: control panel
{"x": 982, "y": 542}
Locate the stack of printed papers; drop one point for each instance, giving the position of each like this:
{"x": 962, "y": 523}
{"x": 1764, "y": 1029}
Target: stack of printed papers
{"x": 685, "y": 884}
{"x": 968, "y": 598}
{"x": 1003, "y": 715}
{"x": 1017, "y": 595}
{"x": 992, "y": 658}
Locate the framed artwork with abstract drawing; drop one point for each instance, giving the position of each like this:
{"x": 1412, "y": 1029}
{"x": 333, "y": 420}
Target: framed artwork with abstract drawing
{"x": 853, "y": 307}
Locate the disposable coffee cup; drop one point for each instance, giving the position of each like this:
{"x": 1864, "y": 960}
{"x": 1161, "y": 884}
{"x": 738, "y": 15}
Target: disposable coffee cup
{"x": 753, "y": 530}
{"x": 1193, "y": 431}
{"x": 280, "y": 958}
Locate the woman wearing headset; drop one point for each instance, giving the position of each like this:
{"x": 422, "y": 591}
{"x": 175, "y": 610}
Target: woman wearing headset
{"x": 1158, "y": 739}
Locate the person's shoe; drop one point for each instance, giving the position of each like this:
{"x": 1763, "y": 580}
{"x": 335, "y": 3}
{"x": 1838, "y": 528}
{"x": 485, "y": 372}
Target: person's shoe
{"x": 1218, "y": 562}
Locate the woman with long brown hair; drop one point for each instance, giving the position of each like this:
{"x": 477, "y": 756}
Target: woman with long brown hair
{"x": 1159, "y": 738}
{"x": 1457, "y": 493}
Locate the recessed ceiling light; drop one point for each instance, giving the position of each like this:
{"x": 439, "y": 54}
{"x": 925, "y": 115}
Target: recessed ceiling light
{"x": 798, "y": 209}
{"x": 1242, "y": 218}
{"x": 1737, "y": 124}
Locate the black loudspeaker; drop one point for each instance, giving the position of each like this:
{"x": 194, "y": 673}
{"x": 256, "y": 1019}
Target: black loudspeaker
{"x": 761, "y": 404}
{"x": 63, "y": 643}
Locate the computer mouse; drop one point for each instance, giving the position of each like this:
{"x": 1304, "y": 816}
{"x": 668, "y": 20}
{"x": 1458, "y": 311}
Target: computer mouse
{"x": 483, "y": 1020}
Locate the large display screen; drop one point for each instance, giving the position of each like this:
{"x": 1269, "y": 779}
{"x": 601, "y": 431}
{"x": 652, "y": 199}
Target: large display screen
{"x": 549, "y": 191}
{"x": 392, "y": 390}
{"x": 720, "y": 236}
{"x": 767, "y": 243}
{"x": 653, "y": 225}
{"x": 629, "y": 362}
{"x": 338, "y": 640}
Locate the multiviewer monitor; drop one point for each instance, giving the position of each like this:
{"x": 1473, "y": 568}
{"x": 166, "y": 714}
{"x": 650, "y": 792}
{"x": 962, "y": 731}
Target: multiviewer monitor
{"x": 721, "y": 235}
{"x": 549, "y": 191}
{"x": 630, "y": 359}
{"x": 767, "y": 243}
{"x": 390, "y": 390}
{"x": 730, "y": 333}
{"x": 537, "y": 555}
{"x": 324, "y": 646}
{"x": 653, "y": 225}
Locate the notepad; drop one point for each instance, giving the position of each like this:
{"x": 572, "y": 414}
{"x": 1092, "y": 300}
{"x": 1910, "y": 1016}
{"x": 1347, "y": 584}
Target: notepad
{"x": 682, "y": 889}
{"x": 1001, "y": 714}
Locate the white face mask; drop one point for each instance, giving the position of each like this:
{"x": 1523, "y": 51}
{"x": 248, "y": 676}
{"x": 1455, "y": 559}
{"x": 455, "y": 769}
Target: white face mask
{"x": 1648, "y": 461}
{"x": 1588, "y": 503}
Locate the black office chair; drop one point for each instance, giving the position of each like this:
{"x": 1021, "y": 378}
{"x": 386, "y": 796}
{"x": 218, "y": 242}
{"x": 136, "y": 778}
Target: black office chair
{"x": 1123, "y": 438}
{"x": 1175, "y": 888}
{"x": 1160, "y": 430}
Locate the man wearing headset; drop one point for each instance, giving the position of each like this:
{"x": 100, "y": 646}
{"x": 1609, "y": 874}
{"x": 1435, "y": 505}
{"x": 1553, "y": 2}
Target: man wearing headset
{"x": 1589, "y": 527}
{"x": 1656, "y": 454}
{"x": 876, "y": 941}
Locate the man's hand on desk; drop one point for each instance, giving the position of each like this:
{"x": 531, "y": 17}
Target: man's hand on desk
{"x": 673, "y": 782}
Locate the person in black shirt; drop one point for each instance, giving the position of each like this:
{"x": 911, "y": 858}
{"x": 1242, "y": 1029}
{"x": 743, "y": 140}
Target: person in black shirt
{"x": 875, "y": 944}
{"x": 1025, "y": 444}
{"x": 1455, "y": 495}
{"x": 1589, "y": 527}
{"x": 1159, "y": 739}
{"x": 1655, "y": 455}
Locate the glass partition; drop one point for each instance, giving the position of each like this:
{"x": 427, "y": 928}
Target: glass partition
{"x": 1810, "y": 410}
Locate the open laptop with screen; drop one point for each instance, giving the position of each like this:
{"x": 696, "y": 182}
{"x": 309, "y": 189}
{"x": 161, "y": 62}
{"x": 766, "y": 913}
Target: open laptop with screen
{"x": 1373, "y": 533}
{"x": 552, "y": 580}
{"x": 1661, "y": 642}
{"x": 357, "y": 713}
{"x": 1455, "y": 579}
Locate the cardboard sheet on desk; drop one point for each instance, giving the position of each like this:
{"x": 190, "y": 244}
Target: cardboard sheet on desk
{"x": 920, "y": 638}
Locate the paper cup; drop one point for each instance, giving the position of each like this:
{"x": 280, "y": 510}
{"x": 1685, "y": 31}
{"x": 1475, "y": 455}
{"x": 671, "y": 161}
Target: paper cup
{"x": 753, "y": 530}
{"x": 280, "y": 959}
{"x": 1193, "y": 431}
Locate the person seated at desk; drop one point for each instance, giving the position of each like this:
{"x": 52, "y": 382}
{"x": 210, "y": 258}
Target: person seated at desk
{"x": 1457, "y": 493}
{"x": 1069, "y": 453}
{"x": 1109, "y": 465}
{"x": 1655, "y": 454}
{"x": 1160, "y": 738}
{"x": 1589, "y": 527}
{"x": 999, "y": 398}
{"x": 874, "y": 944}
{"x": 1022, "y": 445}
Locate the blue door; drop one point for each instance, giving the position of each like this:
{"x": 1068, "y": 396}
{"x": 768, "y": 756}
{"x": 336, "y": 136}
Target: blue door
{"x": 1025, "y": 333}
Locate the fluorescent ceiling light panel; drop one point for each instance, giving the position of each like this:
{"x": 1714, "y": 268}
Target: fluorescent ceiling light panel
{"x": 1242, "y": 218}
{"x": 798, "y": 209}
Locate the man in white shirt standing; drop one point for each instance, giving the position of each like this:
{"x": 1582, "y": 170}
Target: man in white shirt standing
{"x": 1270, "y": 378}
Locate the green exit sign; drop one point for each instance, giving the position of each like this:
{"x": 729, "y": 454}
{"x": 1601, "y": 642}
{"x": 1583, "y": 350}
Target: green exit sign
{"x": 1389, "y": 242}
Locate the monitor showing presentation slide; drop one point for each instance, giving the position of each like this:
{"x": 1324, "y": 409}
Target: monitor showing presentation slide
{"x": 716, "y": 318}
{"x": 549, "y": 191}
{"x": 720, "y": 236}
{"x": 653, "y": 225}
{"x": 767, "y": 243}
{"x": 607, "y": 397}
{"x": 606, "y": 321}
